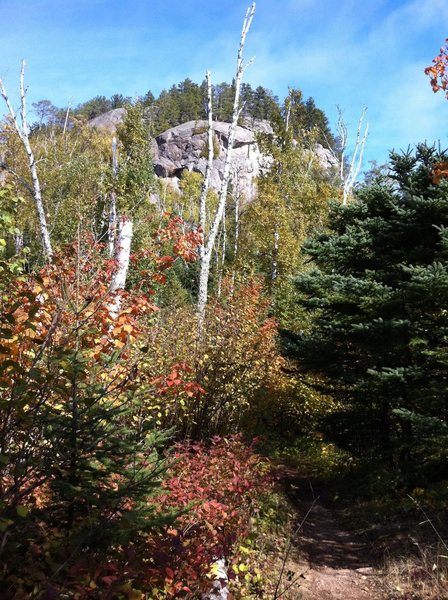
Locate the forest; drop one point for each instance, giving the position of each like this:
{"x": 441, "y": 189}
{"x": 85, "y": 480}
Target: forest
{"x": 180, "y": 362}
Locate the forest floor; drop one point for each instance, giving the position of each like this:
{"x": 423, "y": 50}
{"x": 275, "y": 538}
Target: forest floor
{"x": 337, "y": 549}
{"x": 334, "y": 562}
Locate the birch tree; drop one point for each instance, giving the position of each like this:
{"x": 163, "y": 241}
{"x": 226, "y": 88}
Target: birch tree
{"x": 348, "y": 173}
{"x": 23, "y": 131}
{"x": 132, "y": 181}
{"x": 209, "y": 239}
{"x": 112, "y": 229}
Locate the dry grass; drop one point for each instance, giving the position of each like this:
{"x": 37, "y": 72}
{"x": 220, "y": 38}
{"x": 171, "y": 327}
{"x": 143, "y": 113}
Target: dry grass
{"x": 423, "y": 576}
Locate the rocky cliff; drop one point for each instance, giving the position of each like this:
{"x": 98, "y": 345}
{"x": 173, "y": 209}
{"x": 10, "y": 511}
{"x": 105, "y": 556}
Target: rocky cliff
{"x": 184, "y": 147}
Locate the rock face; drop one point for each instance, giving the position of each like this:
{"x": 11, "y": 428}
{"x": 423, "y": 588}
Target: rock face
{"x": 108, "y": 121}
{"x": 326, "y": 158}
{"x": 185, "y": 148}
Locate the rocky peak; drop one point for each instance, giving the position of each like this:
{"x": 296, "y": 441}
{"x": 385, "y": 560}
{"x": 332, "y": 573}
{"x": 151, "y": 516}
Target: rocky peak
{"x": 184, "y": 148}
{"x": 108, "y": 121}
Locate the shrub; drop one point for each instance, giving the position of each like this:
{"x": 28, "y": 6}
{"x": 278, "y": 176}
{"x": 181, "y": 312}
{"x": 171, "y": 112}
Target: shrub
{"x": 217, "y": 374}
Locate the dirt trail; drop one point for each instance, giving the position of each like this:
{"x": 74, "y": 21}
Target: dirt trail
{"x": 335, "y": 563}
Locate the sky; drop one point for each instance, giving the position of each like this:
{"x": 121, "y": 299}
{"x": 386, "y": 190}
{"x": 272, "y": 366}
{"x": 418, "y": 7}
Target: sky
{"x": 343, "y": 53}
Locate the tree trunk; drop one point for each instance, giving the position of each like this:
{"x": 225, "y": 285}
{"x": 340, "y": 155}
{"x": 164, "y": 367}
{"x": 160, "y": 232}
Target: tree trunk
{"x": 112, "y": 229}
{"x": 207, "y": 249}
{"x": 274, "y": 266}
{"x": 23, "y": 133}
{"x": 223, "y": 254}
{"x": 122, "y": 255}
{"x": 348, "y": 177}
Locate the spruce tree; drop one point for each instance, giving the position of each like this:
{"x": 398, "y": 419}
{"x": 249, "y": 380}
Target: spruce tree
{"x": 378, "y": 294}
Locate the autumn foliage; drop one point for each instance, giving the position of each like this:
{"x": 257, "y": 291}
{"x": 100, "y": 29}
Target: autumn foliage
{"x": 91, "y": 502}
{"x": 224, "y": 367}
{"x": 221, "y": 484}
{"x": 78, "y": 460}
{"x": 438, "y": 71}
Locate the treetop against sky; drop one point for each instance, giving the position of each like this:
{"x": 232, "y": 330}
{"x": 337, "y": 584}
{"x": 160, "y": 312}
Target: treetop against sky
{"x": 348, "y": 53}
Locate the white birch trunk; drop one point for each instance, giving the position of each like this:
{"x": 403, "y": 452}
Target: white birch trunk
{"x": 237, "y": 229}
{"x": 223, "y": 254}
{"x": 205, "y": 183}
{"x": 18, "y": 242}
{"x": 122, "y": 256}
{"x": 208, "y": 245}
{"x": 23, "y": 133}
{"x": 66, "y": 119}
{"x": 288, "y": 110}
{"x": 356, "y": 161}
{"x": 342, "y": 134}
{"x": 348, "y": 176}
{"x": 112, "y": 229}
{"x": 274, "y": 267}
{"x": 237, "y": 222}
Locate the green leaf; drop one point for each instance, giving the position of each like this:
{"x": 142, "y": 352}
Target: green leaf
{"x": 22, "y": 511}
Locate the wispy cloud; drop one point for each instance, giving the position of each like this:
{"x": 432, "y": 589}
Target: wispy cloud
{"x": 347, "y": 53}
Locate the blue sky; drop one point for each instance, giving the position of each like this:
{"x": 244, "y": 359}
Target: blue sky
{"x": 342, "y": 52}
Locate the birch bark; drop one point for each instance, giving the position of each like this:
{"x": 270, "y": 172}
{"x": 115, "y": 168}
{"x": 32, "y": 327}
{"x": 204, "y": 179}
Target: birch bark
{"x": 122, "y": 256}
{"x": 207, "y": 249}
{"x": 112, "y": 230}
{"x": 356, "y": 161}
{"x": 349, "y": 175}
{"x": 22, "y": 131}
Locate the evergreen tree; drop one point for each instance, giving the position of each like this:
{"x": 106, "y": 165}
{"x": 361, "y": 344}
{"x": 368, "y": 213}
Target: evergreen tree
{"x": 303, "y": 117}
{"x": 378, "y": 294}
{"x": 223, "y": 95}
{"x": 191, "y": 101}
{"x": 94, "y": 107}
{"x": 119, "y": 101}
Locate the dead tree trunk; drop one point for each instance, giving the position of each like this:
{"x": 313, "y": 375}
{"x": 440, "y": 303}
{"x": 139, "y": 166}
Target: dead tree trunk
{"x": 208, "y": 244}
{"x": 22, "y": 131}
{"x": 348, "y": 174}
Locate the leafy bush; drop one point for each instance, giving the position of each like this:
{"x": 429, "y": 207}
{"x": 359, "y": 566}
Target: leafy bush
{"x": 225, "y": 366}
{"x": 78, "y": 462}
{"x": 220, "y": 486}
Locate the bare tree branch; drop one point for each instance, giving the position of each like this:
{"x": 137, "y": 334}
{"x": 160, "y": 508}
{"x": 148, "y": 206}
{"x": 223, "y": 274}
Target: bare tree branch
{"x": 209, "y": 243}
{"x": 348, "y": 176}
{"x": 22, "y": 131}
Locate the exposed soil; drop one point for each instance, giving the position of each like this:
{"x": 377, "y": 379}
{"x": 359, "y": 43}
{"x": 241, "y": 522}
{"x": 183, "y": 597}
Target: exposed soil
{"x": 336, "y": 564}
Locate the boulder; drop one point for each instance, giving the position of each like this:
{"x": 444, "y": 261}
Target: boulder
{"x": 109, "y": 121}
{"x": 327, "y": 159}
{"x": 184, "y": 148}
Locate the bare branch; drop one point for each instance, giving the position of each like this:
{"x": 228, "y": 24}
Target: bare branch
{"x": 23, "y": 134}
{"x": 26, "y": 185}
{"x": 205, "y": 184}
{"x": 355, "y": 165}
{"x": 66, "y": 118}
{"x": 209, "y": 243}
